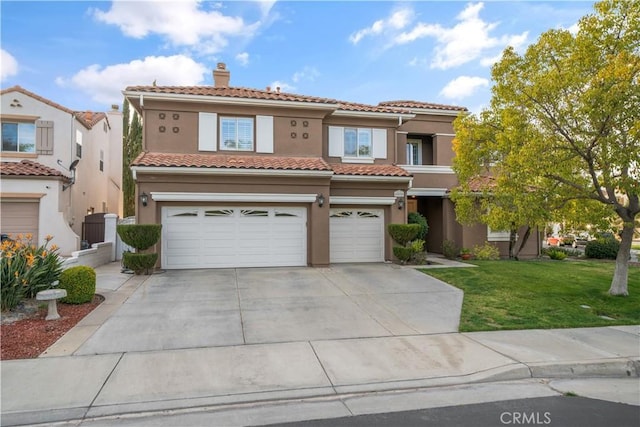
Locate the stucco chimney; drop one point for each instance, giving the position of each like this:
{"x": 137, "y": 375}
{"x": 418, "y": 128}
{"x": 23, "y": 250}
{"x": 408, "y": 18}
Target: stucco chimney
{"x": 221, "y": 75}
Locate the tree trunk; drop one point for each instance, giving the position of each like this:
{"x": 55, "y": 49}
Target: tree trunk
{"x": 525, "y": 238}
{"x": 512, "y": 242}
{"x": 621, "y": 273}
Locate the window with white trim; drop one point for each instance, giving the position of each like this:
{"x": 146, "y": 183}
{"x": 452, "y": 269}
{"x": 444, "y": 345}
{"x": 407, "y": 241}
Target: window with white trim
{"x": 414, "y": 151}
{"x": 357, "y": 142}
{"x": 78, "y": 144}
{"x": 498, "y": 235}
{"x": 18, "y": 137}
{"x": 236, "y": 134}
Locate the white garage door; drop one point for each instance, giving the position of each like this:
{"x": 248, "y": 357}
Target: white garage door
{"x": 357, "y": 235}
{"x": 219, "y": 237}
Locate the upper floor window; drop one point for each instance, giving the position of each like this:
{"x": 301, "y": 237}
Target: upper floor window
{"x": 18, "y": 137}
{"x": 357, "y": 142}
{"x": 78, "y": 144}
{"x": 414, "y": 151}
{"x": 236, "y": 134}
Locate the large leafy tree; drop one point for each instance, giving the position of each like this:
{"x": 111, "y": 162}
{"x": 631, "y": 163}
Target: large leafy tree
{"x": 132, "y": 145}
{"x": 561, "y": 137}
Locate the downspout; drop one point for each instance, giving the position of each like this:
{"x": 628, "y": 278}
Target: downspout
{"x": 395, "y": 142}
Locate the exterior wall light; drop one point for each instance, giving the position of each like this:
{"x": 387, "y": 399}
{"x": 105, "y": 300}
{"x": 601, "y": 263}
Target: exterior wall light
{"x": 320, "y": 200}
{"x": 400, "y": 201}
{"x": 144, "y": 198}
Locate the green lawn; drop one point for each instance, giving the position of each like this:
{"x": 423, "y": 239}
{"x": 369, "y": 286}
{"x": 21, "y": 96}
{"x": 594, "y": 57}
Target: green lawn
{"x": 502, "y": 295}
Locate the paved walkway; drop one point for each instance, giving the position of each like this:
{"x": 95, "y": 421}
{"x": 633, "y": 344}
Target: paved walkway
{"x": 66, "y": 385}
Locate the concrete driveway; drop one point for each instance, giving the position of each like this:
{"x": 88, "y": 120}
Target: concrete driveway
{"x": 210, "y": 308}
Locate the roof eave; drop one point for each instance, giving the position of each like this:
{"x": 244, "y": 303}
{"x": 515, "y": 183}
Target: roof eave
{"x": 190, "y": 170}
{"x": 212, "y": 99}
{"x": 373, "y": 114}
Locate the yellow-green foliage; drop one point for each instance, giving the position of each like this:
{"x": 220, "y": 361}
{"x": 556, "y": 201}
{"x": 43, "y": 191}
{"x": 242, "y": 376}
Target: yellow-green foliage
{"x": 80, "y": 284}
{"x": 486, "y": 251}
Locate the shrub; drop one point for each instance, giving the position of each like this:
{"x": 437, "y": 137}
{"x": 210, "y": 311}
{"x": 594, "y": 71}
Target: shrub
{"x": 486, "y": 252}
{"x": 449, "y": 249}
{"x": 139, "y": 263}
{"x": 404, "y": 233}
{"x": 556, "y": 254}
{"x": 80, "y": 284}
{"x": 417, "y": 218}
{"x": 26, "y": 269}
{"x": 140, "y": 236}
{"x": 402, "y": 253}
{"x": 603, "y": 248}
{"x": 568, "y": 252}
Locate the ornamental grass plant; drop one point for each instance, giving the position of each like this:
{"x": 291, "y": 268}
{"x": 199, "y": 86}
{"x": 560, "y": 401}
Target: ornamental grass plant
{"x": 26, "y": 269}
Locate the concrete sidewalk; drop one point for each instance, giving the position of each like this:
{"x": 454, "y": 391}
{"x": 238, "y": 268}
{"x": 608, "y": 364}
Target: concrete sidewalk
{"x": 60, "y": 387}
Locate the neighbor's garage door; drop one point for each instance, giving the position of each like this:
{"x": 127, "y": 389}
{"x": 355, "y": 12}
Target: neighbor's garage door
{"x": 357, "y": 235}
{"x": 20, "y": 218}
{"x": 213, "y": 237}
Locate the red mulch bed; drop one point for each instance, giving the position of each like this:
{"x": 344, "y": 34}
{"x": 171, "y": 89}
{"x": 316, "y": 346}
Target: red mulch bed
{"x": 27, "y": 338}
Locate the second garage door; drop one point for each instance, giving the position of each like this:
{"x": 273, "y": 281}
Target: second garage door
{"x": 219, "y": 237}
{"x": 357, "y": 235}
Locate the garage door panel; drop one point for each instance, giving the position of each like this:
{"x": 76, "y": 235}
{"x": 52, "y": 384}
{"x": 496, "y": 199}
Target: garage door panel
{"x": 20, "y": 218}
{"x": 356, "y": 235}
{"x": 234, "y": 237}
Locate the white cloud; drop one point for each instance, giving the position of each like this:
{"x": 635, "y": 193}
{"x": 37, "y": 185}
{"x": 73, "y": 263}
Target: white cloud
{"x": 284, "y": 86}
{"x": 464, "y": 42}
{"x": 396, "y": 21}
{"x": 104, "y": 85}
{"x": 463, "y": 86}
{"x": 243, "y": 58}
{"x": 9, "y": 65}
{"x": 183, "y": 23}
{"x": 469, "y": 39}
{"x": 307, "y": 73}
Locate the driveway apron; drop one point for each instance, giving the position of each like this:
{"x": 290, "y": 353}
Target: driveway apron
{"x": 210, "y": 308}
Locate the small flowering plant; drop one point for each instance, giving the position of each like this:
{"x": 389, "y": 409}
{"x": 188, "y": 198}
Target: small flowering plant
{"x": 26, "y": 269}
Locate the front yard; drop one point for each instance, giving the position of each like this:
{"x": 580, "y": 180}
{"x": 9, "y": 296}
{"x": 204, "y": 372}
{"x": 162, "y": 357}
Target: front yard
{"x": 501, "y": 295}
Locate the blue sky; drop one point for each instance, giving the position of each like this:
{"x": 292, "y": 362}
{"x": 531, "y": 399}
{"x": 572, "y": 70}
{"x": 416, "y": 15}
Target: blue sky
{"x": 82, "y": 54}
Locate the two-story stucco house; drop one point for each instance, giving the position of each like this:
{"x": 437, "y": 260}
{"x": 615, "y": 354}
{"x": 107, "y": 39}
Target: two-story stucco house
{"x": 58, "y": 166}
{"x": 242, "y": 177}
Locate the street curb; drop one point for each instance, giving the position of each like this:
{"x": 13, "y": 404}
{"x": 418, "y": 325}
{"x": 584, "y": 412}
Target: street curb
{"x": 622, "y": 367}
{"x": 603, "y": 368}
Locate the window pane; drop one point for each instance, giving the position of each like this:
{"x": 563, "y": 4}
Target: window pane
{"x": 228, "y": 134}
{"x": 9, "y": 137}
{"x": 27, "y": 137}
{"x": 245, "y": 134}
{"x": 350, "y": 142}
{"x": 364, "y": 143}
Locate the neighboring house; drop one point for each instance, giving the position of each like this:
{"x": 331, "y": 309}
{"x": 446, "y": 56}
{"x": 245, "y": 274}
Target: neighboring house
{"x": 58, "y": 166}
{"x": 242, "y": 177}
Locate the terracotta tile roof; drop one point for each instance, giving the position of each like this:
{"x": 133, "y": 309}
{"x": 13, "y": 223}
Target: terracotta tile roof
{"x": 226, "y": 161}
{"x": 368, "y": 170}
{"x": 86, "y": 118}
{"x": 421, "y": 105}
{"x": 29, "y": 168}
{"x": 89, "y": 118}
{"x": 352, "y": 106}
{"x": 231, "y": 92}
{"x": 479, "y": 184}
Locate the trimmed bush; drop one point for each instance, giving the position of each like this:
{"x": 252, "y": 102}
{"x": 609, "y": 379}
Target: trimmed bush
{"x": 402, "y": 253}
{"x": 556, "y": 254}
{"x": 486, "y": 252}
{"x": 603, "y": 248}
{"x": 139, "y": 263}
{"x": 417, "y": 218}
{"x": 404, "y": 233}
{"x": 80, "y": 284}
{"x": 449, "y": 249}
{"x": 140, "y": 236}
